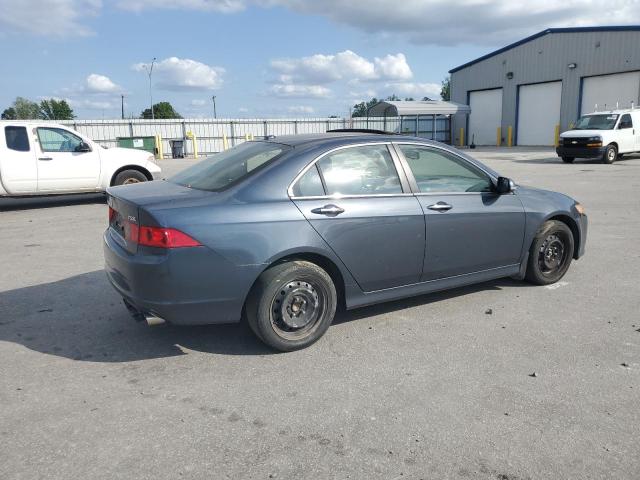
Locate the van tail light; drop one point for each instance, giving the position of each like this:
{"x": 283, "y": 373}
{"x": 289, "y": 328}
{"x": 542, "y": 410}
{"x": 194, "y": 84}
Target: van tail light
{"x": 160, "y": 237}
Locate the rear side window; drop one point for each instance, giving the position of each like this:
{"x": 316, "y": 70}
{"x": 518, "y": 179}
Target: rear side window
{"x": 625, "y": 121}
{"x": 17, "y": 138}
{"x": 219, "y": 171}
{"x": 366, "y": 170}
{"x": 309, "y": 185}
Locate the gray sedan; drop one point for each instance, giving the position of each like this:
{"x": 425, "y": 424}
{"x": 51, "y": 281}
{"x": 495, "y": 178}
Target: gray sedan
{"x": 281, "y": 232}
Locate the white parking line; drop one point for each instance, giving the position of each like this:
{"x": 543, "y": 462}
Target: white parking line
{"x": 555, "y": 286}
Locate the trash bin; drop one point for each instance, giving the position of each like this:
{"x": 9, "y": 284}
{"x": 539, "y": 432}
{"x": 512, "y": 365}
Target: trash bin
{"x": 139, "y": 143}
{"x": 177, "y": 148}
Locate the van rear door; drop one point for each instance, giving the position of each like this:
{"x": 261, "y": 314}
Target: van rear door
{"x": 18, "y": 166}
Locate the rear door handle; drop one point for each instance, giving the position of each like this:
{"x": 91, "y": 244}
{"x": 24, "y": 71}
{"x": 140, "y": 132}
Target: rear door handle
{"x": 329, "y": 210}
{"x": 45, "y": 159}
{"x": 440, "y": 207}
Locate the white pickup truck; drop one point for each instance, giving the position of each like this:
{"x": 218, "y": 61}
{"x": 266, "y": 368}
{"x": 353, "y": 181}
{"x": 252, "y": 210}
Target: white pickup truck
{"x": 42, "y": 158}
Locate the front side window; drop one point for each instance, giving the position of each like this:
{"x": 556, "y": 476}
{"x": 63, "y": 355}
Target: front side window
{"x": 625, "y": 121}
{"x": 219, "y": 171}
{"x": 365, "y": 170}
{"x": 437, "y": 171}
{"x": 58, "y": 140}
{"x": 17, "y": 138}
{"x": 597, "y": 122}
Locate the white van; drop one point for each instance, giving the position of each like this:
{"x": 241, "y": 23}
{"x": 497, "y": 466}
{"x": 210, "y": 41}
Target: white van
{"x": 42, "y": 158}
{"x": 605, "y": 135}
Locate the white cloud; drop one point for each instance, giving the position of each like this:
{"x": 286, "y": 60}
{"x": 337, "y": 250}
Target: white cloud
{"x": 96, "y": 83}
{"x": 223, "y": 6}
{"x": 305, "y": 109}
{"x": 92, "y": 104}
{"x": 198, "y": 102}
{"x": 184, "y": 74}
{"x": 442, "y": 22}
{"x": 299, "y": 91}
{"x": 57, "y": 18}
{"x": 416, "y": 90}
{"x": 322, "y": 69}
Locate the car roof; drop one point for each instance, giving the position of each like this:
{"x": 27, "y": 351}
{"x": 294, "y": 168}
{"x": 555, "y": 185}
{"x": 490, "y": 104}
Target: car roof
{"x": 347, "y": 137}
{"x": 618, "y": 111}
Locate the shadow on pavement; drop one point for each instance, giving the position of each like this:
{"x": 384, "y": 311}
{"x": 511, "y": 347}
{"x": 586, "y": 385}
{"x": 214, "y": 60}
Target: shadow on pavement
{"x": 82, "y": 318}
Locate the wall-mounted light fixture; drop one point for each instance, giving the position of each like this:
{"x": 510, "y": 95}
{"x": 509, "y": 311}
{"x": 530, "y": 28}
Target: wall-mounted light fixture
{"x": 572, "y": 65}
{"x": 509, "y": 75}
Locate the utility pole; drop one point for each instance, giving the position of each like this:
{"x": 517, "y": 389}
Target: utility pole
{"x": 122, "y": 104}
{"x": 149, "y": 72}
{"x": 215, "y": 114}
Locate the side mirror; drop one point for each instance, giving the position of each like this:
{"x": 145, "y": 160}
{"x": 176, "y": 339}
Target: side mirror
{"x": 504, "y": 185}
{"x": 83, "y": 147}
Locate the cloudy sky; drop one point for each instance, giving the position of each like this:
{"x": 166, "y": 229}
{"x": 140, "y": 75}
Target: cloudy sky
{"x": 261, "y": 58}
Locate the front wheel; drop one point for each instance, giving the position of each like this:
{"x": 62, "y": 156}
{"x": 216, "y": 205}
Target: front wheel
{"x": 291, "y": 305}
{"x": 568, "y": 159}
{"x": 610, "y": 154}
{"x": 128, "y": 177}
{"x": 550, "y": 254}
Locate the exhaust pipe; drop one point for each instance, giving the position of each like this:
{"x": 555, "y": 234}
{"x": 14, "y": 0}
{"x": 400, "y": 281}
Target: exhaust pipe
{"x": 152, "y": 320}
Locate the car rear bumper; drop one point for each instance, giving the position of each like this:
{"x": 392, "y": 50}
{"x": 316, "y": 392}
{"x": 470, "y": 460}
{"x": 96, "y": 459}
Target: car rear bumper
{"x": 580, "y": 152}
{"x": 186, "y": 286}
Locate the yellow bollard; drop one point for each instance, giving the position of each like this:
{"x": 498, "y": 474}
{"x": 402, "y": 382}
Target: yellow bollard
{"x": 160, "y": 148}
{"x": 556, "y": 141}
{"x": 252, "y": 136}
{"x": 225, "y": 143}
{"x": 246, "y": 137}
{"x": 499, "y": 136}
{"x": 194, "y": 141}
{"x": 509, "y": 136}
{"x": 461, "y": 136}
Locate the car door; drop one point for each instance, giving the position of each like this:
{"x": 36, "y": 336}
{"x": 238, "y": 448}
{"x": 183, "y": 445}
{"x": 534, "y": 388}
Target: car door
{"x": 469, "y": 227}
{"x": 355, "y": 199}
{"x": 18, "y": 161}
{"x": 626, "y": 134}
{"x": 63, "y": 163}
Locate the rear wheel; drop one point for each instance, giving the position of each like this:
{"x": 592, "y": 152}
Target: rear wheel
{"x": 550, "y": 254}
{"x": 127, "y": 177}
{"x": 291, "y": 305}
{"x": 568, "y": 159}
{"x": 610, "y": 154}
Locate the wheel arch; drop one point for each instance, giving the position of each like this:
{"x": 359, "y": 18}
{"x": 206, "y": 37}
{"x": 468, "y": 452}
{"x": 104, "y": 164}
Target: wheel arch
{"x": 573, "y": 226}
{"x": 140, "y": 169}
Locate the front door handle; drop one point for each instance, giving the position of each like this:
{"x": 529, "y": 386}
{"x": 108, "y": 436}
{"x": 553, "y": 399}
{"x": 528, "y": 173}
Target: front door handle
{"x": 440, "y": 207}
{"x": 45, "y": 159}
{"x": 329, "y": 210}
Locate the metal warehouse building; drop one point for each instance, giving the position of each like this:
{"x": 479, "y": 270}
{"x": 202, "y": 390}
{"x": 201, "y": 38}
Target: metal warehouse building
{"x": 526, "y": 91}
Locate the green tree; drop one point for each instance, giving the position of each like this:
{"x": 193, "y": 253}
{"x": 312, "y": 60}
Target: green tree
{"x": 23, "y": 109}
{"x": 56, "y": 110}
{"x": 445, "y": 91}
{"x": 161, "y": 110}
{"x": 361, "y": 109}
{"x": 9, "y": 114}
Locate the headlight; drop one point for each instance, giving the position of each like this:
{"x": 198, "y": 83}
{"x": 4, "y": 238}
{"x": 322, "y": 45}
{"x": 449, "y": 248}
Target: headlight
{"x": 595, "y": 139}
{"x": 151, "y": 158}
{"x": 580, "y": 209}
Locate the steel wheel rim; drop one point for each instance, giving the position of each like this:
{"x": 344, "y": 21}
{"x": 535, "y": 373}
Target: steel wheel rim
{"x": 297, "y": 309}
{"x": 612, "y": 154}
{"x": 130, "y": 180}
{"x": 552, "y": 255}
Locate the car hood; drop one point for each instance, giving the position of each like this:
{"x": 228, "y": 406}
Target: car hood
{"x": 582, "y": 133}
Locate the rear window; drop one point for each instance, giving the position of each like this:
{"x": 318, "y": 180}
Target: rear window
{"x": 17, "y": 138}
{"x": 221, "y": 170}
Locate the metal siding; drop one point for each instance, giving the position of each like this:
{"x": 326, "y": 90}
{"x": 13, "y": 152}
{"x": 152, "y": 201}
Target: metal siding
{"x": 545, "y": 59}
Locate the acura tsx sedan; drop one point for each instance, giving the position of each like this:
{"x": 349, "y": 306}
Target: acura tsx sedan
{"x": 281, "y": 232}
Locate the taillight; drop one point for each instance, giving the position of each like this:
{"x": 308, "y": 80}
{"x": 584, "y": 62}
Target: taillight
{"x": 112, "y": 214}
{"x": 165, "y": 238}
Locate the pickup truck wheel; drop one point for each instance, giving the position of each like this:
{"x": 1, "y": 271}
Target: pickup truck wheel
{"x": 550, "y": 254}
{"x": 127, "y": 177}
{"x": 568, "y": 159}
{"x": 291, "y": 305}
{"x": 610, "y": 154}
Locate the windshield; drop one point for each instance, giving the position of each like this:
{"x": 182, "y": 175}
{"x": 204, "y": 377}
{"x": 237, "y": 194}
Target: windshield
{"x": 221, "y": 170}
{"x": 597, "y": 122}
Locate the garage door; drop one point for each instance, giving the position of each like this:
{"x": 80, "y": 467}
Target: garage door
{"x": 608, "y": 90}
{"x": 538, "y": 113}
{"x": 485, "y": 116}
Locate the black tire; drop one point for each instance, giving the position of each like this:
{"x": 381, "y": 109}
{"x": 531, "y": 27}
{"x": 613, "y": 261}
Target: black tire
{"x": 568, "y": 159}
{"x": 550, "y": 253}
{"x": 620, "y": 155}
{"x": 127, "y": 177}
{"x": 291, "y": 305}
{"x": 610, "y": 154}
